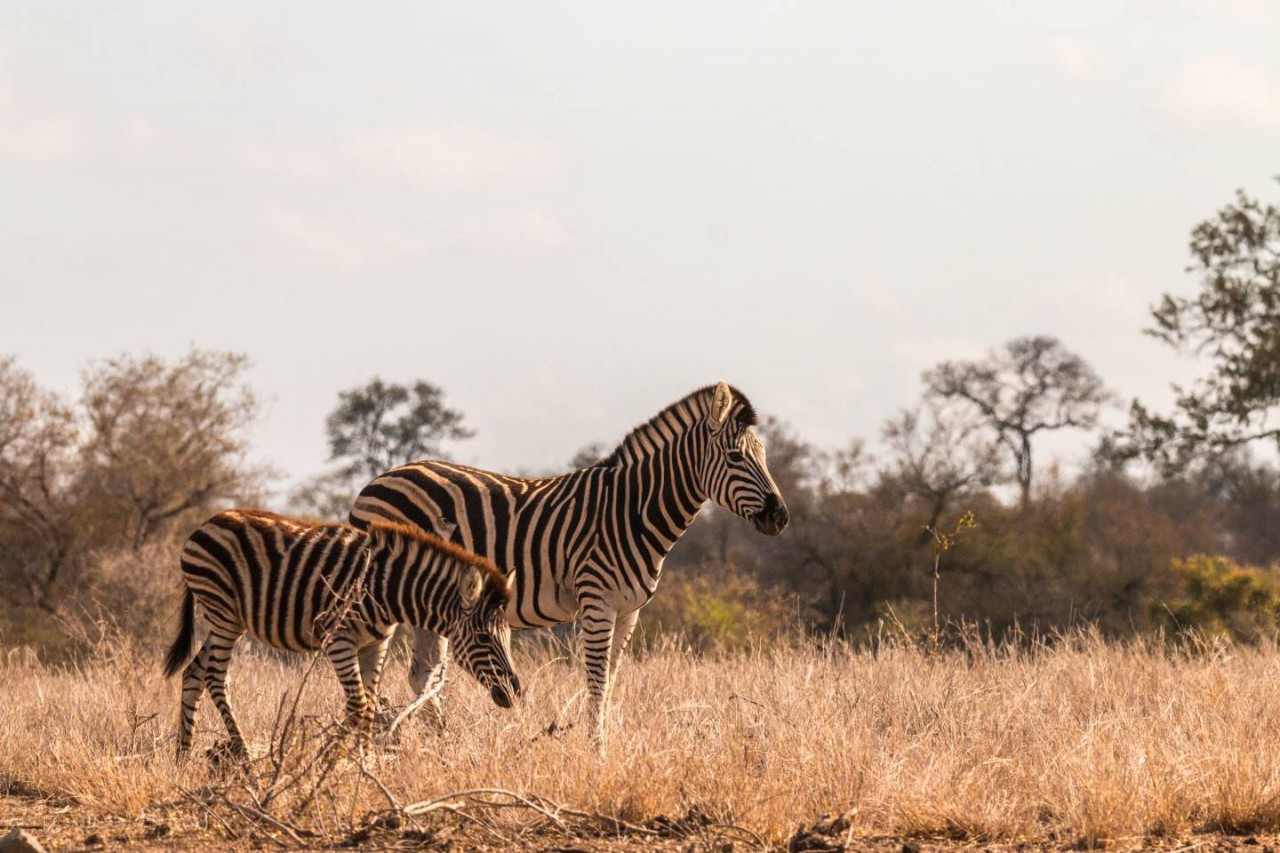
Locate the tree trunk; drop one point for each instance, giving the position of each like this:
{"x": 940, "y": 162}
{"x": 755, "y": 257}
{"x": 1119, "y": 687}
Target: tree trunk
{"x": 1024, "y": 472}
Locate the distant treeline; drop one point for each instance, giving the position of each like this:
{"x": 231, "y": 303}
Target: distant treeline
{"x": 1173, "y": 525}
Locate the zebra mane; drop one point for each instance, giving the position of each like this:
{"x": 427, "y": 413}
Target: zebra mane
{"x": 449, "y": 549}
{"x": 746, "y": 416}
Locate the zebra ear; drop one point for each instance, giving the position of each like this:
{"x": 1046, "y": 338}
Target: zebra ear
{"x": 721, "y": 403}
{"x": 470, "y": 586}
{"x": 511, "y": 583}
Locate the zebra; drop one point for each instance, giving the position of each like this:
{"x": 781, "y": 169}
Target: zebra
{"x": 588, "y": 545}
{"x": 301, "y": 585}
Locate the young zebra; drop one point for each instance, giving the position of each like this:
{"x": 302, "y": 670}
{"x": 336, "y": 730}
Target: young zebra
{"x": 301, "y": 585}
{"x": 588, "y": 545}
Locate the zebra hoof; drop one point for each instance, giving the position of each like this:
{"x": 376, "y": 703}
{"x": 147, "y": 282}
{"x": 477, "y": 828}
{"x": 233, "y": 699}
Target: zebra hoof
{"x": 227, "y": 755}
{"x": 556, "y": 728}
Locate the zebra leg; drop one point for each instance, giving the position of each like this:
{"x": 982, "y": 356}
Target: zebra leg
{"x": 193, "y": 678}
{"x": 344, "y": 656}
{"x": 621, "y": 635}
{"x": 429, "y": 667}
{"x": 597, "y": 627}
{"x": 372, "y": 658}
{"x": 217, "y": 655}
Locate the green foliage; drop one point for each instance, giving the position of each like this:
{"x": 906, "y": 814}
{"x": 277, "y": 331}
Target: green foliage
{"x": 1218, "y": 596}
{"x": 378, "y": 426}
{"x": 716, "y": 608}
{"x": 1234, "y": 321}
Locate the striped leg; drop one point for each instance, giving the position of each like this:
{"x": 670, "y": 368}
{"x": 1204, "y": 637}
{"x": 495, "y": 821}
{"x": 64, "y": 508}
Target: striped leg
{"x": 429, "y": 668}
{"x": 193, "y": 678}
{"x": 344, "y": 656}
{"x": 372, "y": 658}
{"x": 217, "y": 655}
{"x": 621, "y": 635}
{"x": 597, "y": 623}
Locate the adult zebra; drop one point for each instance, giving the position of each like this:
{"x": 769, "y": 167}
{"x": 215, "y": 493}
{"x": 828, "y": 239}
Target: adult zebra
{"x": 588, "y": 545}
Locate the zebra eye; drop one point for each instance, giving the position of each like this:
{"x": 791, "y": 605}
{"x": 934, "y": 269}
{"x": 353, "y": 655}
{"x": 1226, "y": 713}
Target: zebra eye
{"x": 735, "y": 455}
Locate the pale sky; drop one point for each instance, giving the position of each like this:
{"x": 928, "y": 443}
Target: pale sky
{"x": 569, "y": 214}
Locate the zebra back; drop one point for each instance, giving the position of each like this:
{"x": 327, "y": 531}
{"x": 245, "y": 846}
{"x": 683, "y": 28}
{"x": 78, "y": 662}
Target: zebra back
{"x": 291, "y": 582}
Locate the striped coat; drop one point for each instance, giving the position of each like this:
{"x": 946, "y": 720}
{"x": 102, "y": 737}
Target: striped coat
{"x": 301, "y": 586}
{"x": 589, "y": 545}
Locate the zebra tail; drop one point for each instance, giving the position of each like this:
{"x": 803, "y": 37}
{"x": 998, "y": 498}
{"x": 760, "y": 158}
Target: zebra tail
{"x": 180, "y": 651}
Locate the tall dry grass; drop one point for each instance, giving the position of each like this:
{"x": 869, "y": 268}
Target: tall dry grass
{"x": 1077, "y": 740}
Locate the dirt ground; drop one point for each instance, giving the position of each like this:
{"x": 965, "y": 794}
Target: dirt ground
{"x": 61, "y": 825}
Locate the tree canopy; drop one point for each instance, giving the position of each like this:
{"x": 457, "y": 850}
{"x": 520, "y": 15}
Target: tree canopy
{"x": 379, "y": 425}
{"x": 148, "y": 448}
{"x": 1032, "y": 385}
{"x": 1233, "y": 321}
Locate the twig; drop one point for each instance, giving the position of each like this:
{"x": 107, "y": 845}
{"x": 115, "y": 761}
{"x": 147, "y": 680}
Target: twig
{"x": 202, "y": 804}
{"x": 747, "y": 699}
{"x": 423, "y": 698}
{"x": 618, "y": 823}
{"x": 366, "y": 772}
{"x": 253, "y": 815}
{"x": 729, "y": 828}
{"x": 520, "y": 802}
{"x": 552, "y": 811}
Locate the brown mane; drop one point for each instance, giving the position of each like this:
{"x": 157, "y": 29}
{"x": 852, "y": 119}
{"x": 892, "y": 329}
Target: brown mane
{"x": 265, "y": 520}
{"x": 440, "y": 546}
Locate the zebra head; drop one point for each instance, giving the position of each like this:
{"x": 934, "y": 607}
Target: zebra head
{"x": 479, "y": 635}
{"x": 734, "y": 474}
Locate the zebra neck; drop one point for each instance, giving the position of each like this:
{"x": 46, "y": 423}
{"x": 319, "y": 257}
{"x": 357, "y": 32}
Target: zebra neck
{"x": 407, "y": 586}
{"x": 657, "y": 481}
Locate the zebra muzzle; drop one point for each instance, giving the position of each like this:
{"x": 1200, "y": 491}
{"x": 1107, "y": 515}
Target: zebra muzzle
{"x": 772, "y": 519}
{"x": 504, "y": 693}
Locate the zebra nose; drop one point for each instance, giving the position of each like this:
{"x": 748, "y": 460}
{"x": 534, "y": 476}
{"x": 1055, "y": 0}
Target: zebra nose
{"x": 515, "y": 686}
{"x": 500, "y": 696}
{"x": 773, "y": 516}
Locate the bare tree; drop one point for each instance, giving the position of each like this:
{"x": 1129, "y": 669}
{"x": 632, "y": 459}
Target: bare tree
{"x": 937, "y": 452}
{"x": 166, "y": 441}
{"x": 38, "y": 438}
{"x": 1032, "y": 385}
{"x": 150, "y": 446}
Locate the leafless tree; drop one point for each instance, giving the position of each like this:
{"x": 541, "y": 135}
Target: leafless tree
{"x": 39, "y": 434}
{"x": 936, "y": 452}
{"x": 1032, "y": 385}
{"x": 165, "y": 440}
{"x": 150, "y": 447}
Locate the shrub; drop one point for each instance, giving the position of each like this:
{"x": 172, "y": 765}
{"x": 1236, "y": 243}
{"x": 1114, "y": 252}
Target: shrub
{"x": 716, "y": 608}
{"x": 1219, "y": 596}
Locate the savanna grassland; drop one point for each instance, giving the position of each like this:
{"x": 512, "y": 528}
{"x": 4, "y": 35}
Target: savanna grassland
{"x": 1076, "y": 742}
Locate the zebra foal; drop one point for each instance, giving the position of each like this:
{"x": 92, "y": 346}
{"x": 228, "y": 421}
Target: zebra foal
{"x": 301, "y": 586}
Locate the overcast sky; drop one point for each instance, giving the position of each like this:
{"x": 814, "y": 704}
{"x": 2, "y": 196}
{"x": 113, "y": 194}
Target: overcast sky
{"x": 569, "y": 214}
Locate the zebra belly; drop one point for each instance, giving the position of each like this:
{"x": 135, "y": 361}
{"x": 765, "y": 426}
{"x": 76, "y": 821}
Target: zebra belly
{"x": 555, "y": 606}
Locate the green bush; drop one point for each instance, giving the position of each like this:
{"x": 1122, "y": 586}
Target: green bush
{"x": 715, "y": 608}
{"x": 1219, "y": 596}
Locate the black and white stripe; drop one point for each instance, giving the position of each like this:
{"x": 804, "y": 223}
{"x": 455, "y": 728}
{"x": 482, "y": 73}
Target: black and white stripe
{"x": 589, "y": 545}
{"x": 302, "y": 586}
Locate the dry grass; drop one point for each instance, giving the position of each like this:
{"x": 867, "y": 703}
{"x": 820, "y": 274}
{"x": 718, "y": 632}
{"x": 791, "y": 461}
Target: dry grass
{"x": 1078, "y": 741}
